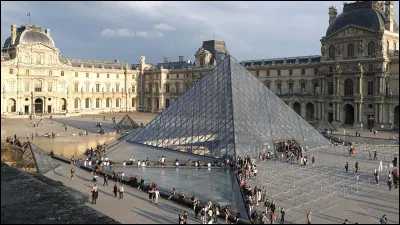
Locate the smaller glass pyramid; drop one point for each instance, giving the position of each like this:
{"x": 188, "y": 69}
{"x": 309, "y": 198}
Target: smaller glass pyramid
{"x": 126, "y": 123}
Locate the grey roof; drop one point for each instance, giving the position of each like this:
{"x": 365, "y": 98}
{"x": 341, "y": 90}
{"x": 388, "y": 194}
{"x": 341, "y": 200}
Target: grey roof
{"x": 98, "y": 64}
{"x": 174, "y": 65}
{"x": 364, "y": 14}
{"x": 7, "y": 43}
{"x": 280, "y": 61}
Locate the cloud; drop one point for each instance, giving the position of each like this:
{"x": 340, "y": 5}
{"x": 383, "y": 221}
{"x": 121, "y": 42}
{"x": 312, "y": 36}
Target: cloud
{"x": 165, "y": 27}
{"x": 142, "y": 34}
{"x": 117, "y": 33}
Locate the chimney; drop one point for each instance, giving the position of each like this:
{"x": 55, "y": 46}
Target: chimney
{"x": 332, "y": 14}
{"x": 117, "y": 61}
{"x": 47, "y": 31}
{"x": 166, "y": 60}
{"x": 389, "y": 11}
{"x": 180, "y": 58}
{"x": 13, "y": 34}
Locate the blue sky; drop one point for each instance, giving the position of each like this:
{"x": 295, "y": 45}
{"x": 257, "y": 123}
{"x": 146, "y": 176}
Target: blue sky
{"x": 127, "y": 30}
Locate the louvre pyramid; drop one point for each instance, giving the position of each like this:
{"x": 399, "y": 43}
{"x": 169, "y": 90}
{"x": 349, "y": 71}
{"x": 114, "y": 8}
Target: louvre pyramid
{"x": 323, "y": 124}
{"x": 228, "y": 113}
{"x": 32, "y": 155}
{"x": 126, "y": 123}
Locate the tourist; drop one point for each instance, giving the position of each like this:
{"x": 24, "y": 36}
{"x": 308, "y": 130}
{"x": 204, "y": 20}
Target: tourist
{"x": 383, "y": 220}
{"x": 254, "y": 217}
{"x": 180, "y": 219}
{"x": 283, "y": 215}
{"x": 105, "y": 180}
{"x": 217, "y": 210}
{"x": 272, "y": 217}
{"x": 356, "y": 165}
{"x": 73, "y": 160}
{"x": 203, "y": 216}
{"x": 197, "y": 209}
{"x": 185, "y": 217}
{"x": 273, "y": 206}
{"x": 376, "y": 175}
{"x": 267, "y": 204}
{"x": 226, "y": 214}
{"x": 390, "y": 181}
{"x": 346, "y": 221}
{"x": 173, "y": 193}
{"x": 250, "y": 204}
{"x": 308, "y": 220}
{"x": 395, "y": 176}
{"x": 375, "y": 155}
{"x": 210, "y": 214}
{"x": 370, "y": 154}
{"x": 121, "y": 191}
{"x": 395, "y": 161}
{"x": 313, "y": 160}
{"x": 115, "y": 190}
{"x": 95, "y": 194}
{"x": 347, "y": 167}
{"x": 72, "y": 173}
{"x": 52, "y": 154}
{"x": 157, "y": 196}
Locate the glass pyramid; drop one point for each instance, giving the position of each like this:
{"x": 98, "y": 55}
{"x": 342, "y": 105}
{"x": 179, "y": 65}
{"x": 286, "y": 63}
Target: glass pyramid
{"x": 226, "y": 114}
{"x": 33, "y": 157}
{"x": 126, "y": 123}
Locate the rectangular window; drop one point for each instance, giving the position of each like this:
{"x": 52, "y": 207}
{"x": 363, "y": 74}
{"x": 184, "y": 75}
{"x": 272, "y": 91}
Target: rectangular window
{"x": 177, "y": 88}
{"x": 290, "y": 72}
{"x": 76, "y": 87}
{"x": 167, "y": 88}
{"x": 76, "y": 74}
{"x": 267, "y": 72}
{"x": 11, "y": 71}
{"x": 98, "y": 75}
{"x": 302, "y": 87}
{"x": 330, "y": 88}
{"x": 370, "y": 87}
{"x": 87, "y": 75}
{"x": 257, "y": 73}
{"x": 303, "y": 71}
{"x": 279, "y": 72}
{"x": 108, "y": 75}
{"x": 62, "y": 73}
{"x": 62, "y": 87}
{"x": 133, "y": 88}
{"x": 49, "y": 86}
{"x": 38, "y": 86}
{"x": 108, "y": 87}
{"x": 97, "y": 87}
{"x": 117, "y": 88}
{"x": 87, "y": 86}
{"x": 133, "y": 77}
{"x": 315, "y": 71}
{"x": 177, "y": 76}
{"x": 278, "y": 88}
{"x": 117, "y": 76}
{"x": 27, "y": 88}
{"x": 97, "y": 102}
{"x": 316, "y": 88}
{"x": 133, "y": 102}
{"x": 290, "y": 87}
{"x": 11, "y": 86}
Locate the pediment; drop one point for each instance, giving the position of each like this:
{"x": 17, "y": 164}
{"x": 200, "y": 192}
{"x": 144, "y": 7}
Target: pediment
{"x": 351, "y": 30}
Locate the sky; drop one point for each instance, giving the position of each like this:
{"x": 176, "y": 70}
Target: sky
{"x": 128, "y": 30}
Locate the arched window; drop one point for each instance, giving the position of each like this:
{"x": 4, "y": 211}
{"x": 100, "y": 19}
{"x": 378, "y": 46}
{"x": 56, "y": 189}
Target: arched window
{"x": 117, "y": 103}
{"x": 27, "y": 72}
{"x": 133, "y": 102}
{"x": 62, "y": 73}
{"x": 348, "y": 87}
{"x": 11, "y": 71}
{"x": 331, "y": 51}
{"x": 350, "y": 50}
{"x": 107, "y": 102}
{"x": 87, "y": 103}
{"x": 371, "y": 48}
{"x": 157, "y": 103}
{"x": 50, "y": 73}
{"x": 150, "y": 87}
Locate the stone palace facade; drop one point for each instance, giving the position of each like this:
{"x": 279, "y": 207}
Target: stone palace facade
{"x": 354, "y": 81}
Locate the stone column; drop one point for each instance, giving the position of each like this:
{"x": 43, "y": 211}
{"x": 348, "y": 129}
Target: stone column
{"x": 356, "y": 113}
{"x": 360, "y": 113}
{"x": 337, "y": 85}
{"x": 391, "y": 117}
{"x": 303, "y": 110}
{"x": 381, "y": 113}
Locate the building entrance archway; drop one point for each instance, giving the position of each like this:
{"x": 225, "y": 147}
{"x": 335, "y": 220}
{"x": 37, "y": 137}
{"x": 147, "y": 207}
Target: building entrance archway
{"x": 297, "y": 108}
{"x": 348, "y": 114}
{"x": 38, "y": 105}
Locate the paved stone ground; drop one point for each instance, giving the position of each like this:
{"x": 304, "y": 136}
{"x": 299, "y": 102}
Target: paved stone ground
{"x": 28, "y": 198}
{"x": 134, "y": 208}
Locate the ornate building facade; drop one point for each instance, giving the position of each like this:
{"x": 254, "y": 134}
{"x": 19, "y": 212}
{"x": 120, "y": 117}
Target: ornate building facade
{"x": 354, "y": 81}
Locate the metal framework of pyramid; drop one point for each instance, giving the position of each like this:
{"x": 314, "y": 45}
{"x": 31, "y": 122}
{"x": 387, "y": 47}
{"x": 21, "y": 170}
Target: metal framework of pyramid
{"x": 323, "y": 124}
{"x": 126, "y": 123}
{"x": 33, "y": 156}
{"x": 228, "y": 113}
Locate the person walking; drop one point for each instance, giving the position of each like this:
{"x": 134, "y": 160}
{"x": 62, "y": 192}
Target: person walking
{"x": 121, "y": 191}
{"x": 390, "y": 181}
{"x": 184, "y": 217}
{"x": 347, "y": 167}
{"x": 267, "y": 204}
{"x": 376, "y": 175}
{"x": 375, "y": 155}
{"x": 356, "y": 167}
{"x": 72, "y": 173}
{"x": 383, "y": 220}
{"x": 313, "y": 160}
{"x": 226, "y": 214}
{"x": 370, "y": 155}
{"x": 308, "y": 220}
{"x": 95, "y": 194}
{"x": 105, "y": 180}
{"x": 115, "y": 190}
{"x": 273, "y": 206}
{"x": 282, "y": 215}
{"x": 157, "y": 196}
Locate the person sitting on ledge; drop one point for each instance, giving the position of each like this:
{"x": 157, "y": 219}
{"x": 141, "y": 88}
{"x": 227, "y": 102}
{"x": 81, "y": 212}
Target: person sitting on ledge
{"x": 52, "y": 154}
{"x": 181, "y": 195}
{"x": 176, "y": 163}
{"x": 173, "y": 193}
